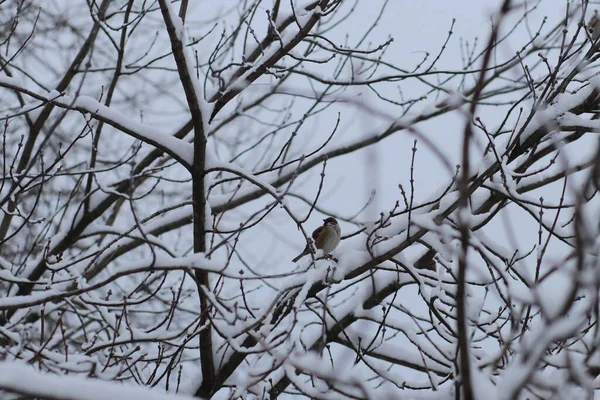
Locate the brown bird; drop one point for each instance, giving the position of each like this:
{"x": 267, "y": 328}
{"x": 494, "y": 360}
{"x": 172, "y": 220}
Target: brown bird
{"x": 326, "y": 238}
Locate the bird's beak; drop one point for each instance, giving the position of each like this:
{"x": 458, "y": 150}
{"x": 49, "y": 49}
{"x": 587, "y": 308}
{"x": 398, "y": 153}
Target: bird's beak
{"x": 324, "y": 220}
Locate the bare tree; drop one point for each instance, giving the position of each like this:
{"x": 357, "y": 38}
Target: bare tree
{"x": 157, "y": 156}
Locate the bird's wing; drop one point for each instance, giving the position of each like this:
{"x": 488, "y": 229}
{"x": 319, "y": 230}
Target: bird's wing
{"x": 324, "y": 236}
{"x": 316, "y": 233}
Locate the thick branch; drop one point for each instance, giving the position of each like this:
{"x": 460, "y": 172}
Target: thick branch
{"x": 198, "y": 196}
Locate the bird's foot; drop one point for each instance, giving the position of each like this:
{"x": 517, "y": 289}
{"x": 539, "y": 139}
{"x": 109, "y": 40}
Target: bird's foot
{"x": 331, "y": 257}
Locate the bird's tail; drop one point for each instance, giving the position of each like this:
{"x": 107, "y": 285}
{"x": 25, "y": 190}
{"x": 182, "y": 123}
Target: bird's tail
{"x": 299, "y": 256}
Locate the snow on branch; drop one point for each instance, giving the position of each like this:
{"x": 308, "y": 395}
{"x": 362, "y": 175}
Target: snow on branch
{"x": 23, "y": 379}
{"x": 176, "y": 148}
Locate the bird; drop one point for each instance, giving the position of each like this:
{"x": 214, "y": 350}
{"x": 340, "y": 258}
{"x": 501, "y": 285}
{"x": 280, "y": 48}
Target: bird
{"x": 326, "y": 238}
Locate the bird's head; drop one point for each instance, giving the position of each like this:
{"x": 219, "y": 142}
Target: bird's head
{"x": 330, "y": 221}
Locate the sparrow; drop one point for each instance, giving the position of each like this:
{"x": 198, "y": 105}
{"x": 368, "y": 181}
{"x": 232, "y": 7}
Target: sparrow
{"x": 326, "y": 238}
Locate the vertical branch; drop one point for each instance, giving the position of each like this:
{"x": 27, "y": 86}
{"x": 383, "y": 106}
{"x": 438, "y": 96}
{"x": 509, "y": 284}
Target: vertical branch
{"x": 198, "y": 197}
{"x": 463, "y": 385}
{"x": 109, "y": 95}
{"x": 412, "y": 187}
